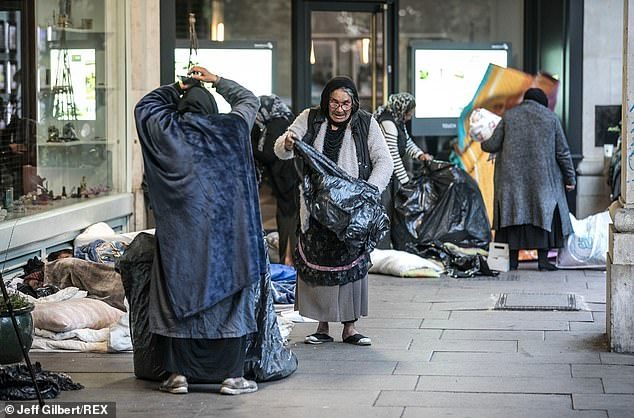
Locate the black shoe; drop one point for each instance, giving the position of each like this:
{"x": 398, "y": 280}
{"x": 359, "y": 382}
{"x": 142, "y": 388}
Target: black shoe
{"x": 546, "y": 267}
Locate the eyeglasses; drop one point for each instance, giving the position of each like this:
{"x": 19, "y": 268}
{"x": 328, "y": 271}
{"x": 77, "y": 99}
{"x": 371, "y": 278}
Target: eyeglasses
{"x": 334, "y": 105}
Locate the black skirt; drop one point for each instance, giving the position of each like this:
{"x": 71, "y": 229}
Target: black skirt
{"x": 204, "y": 360}
{"x": 531, "y": 237}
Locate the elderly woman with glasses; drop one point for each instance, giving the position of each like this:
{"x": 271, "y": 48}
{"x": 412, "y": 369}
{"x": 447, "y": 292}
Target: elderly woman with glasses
{"x": 332, "y": 284}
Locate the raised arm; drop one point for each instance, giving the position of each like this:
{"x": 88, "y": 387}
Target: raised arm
{"x": 155, "y": 111}
{"x": 297, "y": 129}
{"x": 243, "y": 102}
{"x": 494, "y": 144}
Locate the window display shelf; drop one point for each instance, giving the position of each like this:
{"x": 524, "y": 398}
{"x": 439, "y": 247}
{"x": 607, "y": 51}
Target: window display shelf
{"x": 73, "y": 143}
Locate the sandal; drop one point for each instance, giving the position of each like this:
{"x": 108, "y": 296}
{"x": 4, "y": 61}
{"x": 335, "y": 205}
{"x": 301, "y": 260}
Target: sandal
{"x": 358, "y": 339}
{"x": 318, "y": 338}
{"x": 238, "y": 386}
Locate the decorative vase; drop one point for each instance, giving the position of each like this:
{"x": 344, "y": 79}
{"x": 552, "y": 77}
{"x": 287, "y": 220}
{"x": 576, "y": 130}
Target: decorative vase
{"x": 10, "y": 351}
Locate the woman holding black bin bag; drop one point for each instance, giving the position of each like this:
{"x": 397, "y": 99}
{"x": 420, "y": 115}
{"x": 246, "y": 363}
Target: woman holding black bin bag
{"x": 332, "y": 283}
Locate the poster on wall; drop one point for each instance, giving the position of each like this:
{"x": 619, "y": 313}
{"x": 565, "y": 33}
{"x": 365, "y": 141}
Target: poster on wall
{"x": 444, "y": 78}
{"x": 247, "y": 63}
{"x": 13, "y": 37}
{"x": 81, "y": 73}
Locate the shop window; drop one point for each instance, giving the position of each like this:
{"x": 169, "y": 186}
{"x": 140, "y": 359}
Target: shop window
{"x": 62, "y": 91}
{"x": 243, "y": 21}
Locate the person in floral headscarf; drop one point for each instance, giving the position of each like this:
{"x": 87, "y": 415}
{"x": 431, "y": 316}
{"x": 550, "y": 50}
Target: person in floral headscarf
{"x": 392, "y": 119}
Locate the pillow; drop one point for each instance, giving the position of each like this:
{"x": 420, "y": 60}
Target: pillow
{"x": 74, "y": 314}
{"x": 100, "y": 231}
{"x": 399, "y": 263}
{"x": 424, "y": 272}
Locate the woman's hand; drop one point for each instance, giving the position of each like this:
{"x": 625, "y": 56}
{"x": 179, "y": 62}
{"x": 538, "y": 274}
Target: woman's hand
{"x": 426, "y": 157}
{"x": 570, "y": 187}
{"x": 203, "y": 74}
{"x": 289, "y": 141}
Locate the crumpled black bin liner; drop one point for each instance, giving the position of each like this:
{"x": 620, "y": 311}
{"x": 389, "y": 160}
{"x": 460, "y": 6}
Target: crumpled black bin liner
{"x": 441, "y": 204}
{"x": 16, "y": 383}
{"x": 267, "y": 357}
{"x": 349, "y": 207}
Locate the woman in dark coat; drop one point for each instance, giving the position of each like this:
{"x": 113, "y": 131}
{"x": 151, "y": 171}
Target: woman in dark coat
{"x": 533, "y": 171}
{"x": 272, "y": 120}
{"x": 210, "y": 253}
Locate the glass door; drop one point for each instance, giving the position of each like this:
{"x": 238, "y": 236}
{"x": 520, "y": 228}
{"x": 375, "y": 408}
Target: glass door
{"x": 354, "y": 39}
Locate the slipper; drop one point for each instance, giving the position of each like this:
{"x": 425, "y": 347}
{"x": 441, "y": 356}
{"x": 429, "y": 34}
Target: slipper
{"x": 358, "y": 339}
{"x": 318, "y": 338}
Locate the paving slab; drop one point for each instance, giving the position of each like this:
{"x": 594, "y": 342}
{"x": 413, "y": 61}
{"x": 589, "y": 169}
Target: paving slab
{"x": 238, "y": 411}
{"x": 616, "y": 358}
{"x": 605, "y": 401}
{"x": 579, "y": 316}
{"x": 616, "y": 385}
{"x": 465, "y": 345}
{"x": 559, "y": 385}
{"x": 329, "y": 381}
{"x": 418, "y": 412}
{"x": 491, "y": 368}
{"x": 520, "y": 358}
{"x": 572, "y": 345}
{"x": 613, "y": 371}
{"x": 496, "y": 324}
{"x": 472, "y": 400}
{"x": 390, "y": 323}
{"x": 488, "y": 335}
{"x": 346, "y": 367}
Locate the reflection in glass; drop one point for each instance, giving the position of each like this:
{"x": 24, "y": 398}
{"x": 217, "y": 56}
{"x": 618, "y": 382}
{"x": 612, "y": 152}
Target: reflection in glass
{"x": 342, "y": 45}
{"x": 64, "y": 141}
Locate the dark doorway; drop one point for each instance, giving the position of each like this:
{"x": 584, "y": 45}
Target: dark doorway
{"x": 553, "y": 43}
{"x": 358, "y": 39}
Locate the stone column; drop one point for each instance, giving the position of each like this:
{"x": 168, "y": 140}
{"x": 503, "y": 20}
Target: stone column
{"x": 620, "y": 265}
{"x": 143, "y": 76}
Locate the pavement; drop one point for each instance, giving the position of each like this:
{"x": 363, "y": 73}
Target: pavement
{"x": 439, "y": 350}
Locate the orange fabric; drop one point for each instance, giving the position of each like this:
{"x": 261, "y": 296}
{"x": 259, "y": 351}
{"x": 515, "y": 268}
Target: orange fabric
{"x": 500, "y": 89}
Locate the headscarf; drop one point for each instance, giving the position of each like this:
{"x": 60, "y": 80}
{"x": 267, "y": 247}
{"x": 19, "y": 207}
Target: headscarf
{"x": 537, "y": 95}
{"x": 271, "y": 107}
{"x": 332, "y": 85}
{"x": 398, "y": 105}
{"x": 198, "y": 99}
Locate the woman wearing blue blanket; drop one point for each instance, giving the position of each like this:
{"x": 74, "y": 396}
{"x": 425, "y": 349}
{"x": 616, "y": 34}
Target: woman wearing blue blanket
{"x": 332, "y": 281}
{"x": 210, "y": 251}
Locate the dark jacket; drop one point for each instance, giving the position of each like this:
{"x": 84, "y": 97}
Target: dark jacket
{"x": 532, "y": 166}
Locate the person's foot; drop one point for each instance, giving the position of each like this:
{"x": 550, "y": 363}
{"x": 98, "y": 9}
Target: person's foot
{"x": 176, "y": 384}
{"x": 350, "y": 335}
{"x": 546, "y": 267}
{"x": 238, "y": 386}
{"x": 357, "y": 339}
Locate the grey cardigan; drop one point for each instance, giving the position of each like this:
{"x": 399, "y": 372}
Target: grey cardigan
{"x": 382, "y": 165}
{"x": 532, "y": 166}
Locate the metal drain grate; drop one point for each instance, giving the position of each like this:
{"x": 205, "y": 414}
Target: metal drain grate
{"x": 537, "y": 302}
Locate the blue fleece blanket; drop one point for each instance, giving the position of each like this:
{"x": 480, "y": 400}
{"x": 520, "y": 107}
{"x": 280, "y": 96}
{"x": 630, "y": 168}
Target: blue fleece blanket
{"x": 202, "y": 188}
